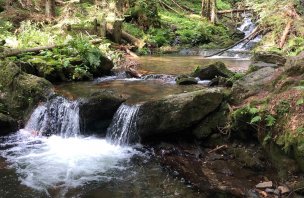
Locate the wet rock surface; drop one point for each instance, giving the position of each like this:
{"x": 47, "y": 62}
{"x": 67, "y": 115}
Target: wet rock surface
{"x": 97, "y": 110}
{"x": 7, "y": 124}
{"x": 215, "y": 171}
{"x": 253, "y": 83}
{"x": 269, "y": 57}
{"x": 213, "y": 70}
{"x": 175, "y": 113}
{"x": 185, "y": 80}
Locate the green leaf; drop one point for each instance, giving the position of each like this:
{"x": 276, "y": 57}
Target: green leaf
{"x": 270, "y": 120}
{"x": 253, "y": 110}
{"x": 300, "y": 101}
{"x": 299, "y": 87}
{"x": 256, "y": 119}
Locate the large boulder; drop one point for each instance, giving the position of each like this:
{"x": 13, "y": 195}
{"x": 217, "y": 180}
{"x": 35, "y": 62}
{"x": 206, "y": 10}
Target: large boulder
{"x": 176, "y": 113}
{"x": 269, "y": 57}
{"x": 21, "y": 92}
{"x": 7, "y": 124}
{"x": 213, "y": 70}
{"x": 253, "y": 83}
{"x": 212, "y": 123}
{"x": 96, "y": 111}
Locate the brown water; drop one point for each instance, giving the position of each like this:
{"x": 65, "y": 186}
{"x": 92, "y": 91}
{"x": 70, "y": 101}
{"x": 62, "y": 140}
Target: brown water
{"x": 177, "y": 65}
{"x": 135, "y": 90}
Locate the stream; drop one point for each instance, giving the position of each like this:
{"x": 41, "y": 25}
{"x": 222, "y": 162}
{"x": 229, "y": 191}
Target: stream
{"x": 67, "y": 163}
{"x": 71, "y": 165}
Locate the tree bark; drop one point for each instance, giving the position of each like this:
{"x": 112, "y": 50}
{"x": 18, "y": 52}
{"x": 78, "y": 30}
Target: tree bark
{"x": 213, "y": 16}
{"x": 285, "y": 34}
{"x": 50, "y": 8}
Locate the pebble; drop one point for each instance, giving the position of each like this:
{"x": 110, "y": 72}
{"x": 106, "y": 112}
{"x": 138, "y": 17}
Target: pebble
{"x": 264, "y": 185}
{"x": 283, "y": 189}
{"x": 276, "y": 191}
{"x": 269, "y": 190}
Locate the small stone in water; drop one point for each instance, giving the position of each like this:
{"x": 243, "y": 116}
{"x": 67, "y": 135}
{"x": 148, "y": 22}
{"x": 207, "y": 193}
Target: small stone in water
{"x": 264, "y": 185}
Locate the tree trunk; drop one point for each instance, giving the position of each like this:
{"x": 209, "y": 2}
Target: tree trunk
{"x": 285, "y": 34}
{"x": 117, "y": 26}
{"x": 209, "y": 10}
{"x": 213, "y": 16}
{"x": 50, "y": 8}
{"x": 206, "y": 8}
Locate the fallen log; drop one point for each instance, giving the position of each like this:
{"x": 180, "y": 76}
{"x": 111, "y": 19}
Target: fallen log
{"x": 168, "y": 7}
{"x": 285, "y": 34}
{"x": 251, "y": 36}
{"x": 233, "y": 11}
{"x": 179, "y": 6}
{"x": 127, "y": 37}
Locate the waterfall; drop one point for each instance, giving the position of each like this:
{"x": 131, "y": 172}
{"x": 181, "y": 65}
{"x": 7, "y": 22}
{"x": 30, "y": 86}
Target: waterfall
{"x": 57, "y": 116}
{"x": 247, "y": 27}
{"x": 123, "y": 129}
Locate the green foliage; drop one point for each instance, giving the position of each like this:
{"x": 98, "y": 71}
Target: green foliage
{"x": 295, "y": 46}
{"x": 32, "y": 36}
{"x": 159, "y": 37}
{"x": 193, "y": 30}
{"x": 82, "y": 46}
{"x": 256, "y": 119}
{"x": 223, "y": 5}
{"x": 270, "y": 120}
{"x": 133, "y": 30}
{"x": 282, "y": 108}
{"x": 5, "y": 29}
{"x": 144, "y": 13}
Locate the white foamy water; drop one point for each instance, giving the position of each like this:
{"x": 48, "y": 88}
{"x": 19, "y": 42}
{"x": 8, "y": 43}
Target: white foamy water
{"x": 123, "y": 129}
{"x": 55, "y": 162}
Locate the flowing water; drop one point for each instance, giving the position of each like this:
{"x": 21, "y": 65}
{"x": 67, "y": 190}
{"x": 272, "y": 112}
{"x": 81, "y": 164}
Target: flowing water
{"x": 122, "y": 130}
{"x": 66, "y": 164}
{"x": 247, "y": 27}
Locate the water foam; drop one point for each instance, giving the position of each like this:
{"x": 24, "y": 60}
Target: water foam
{"x": 123, "y": 129}
{"x": 56, "y": 162}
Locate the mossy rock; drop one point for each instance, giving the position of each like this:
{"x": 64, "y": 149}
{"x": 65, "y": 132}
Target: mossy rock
{"x": 97, "y": 111}
{"x": 252, "y": 83}
{"x": 176, "y": 113}
{"x": 212, "y": 122}
{"x": 213, "y": 70}
{"x": 49, "y": 69}
{"x": 269, "y": 57}
{"x": 185, "y": 80}
{"x": 21, "y": 91}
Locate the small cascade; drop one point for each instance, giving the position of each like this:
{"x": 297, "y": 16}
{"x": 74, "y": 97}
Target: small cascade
{"x": 123, "y": 129}
{"x": 247, "y": 27}
{"x": 58, "y": 116}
